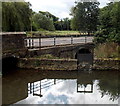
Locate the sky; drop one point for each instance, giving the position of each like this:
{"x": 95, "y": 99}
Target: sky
{"x": 59, "y": 8}
{"x": 65, "y": 92}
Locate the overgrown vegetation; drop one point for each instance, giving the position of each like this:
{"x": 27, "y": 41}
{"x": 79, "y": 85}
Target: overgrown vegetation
{"x": 107, "y": 50}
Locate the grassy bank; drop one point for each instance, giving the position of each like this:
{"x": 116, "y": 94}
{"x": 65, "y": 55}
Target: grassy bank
{"x": 107, "y": 50}
{"x": 52, "y": 33}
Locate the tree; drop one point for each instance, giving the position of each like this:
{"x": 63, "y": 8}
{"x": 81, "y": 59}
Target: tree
{"x": 109, "y": 27}
{"x": 16, "y": 16}
{"x": 85, "y": 16}
{"x": 42, "y": 21}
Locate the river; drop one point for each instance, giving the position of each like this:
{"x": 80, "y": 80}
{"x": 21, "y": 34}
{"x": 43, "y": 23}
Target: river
{"x": 61, "y": 87}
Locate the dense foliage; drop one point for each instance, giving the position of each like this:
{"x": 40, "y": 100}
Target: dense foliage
{"x": 42, "y": 20}
{"x": 47, "y": 21}
{"x": 16, "y": 16}
{"x": 85, "y": 16}
{"x": 109, "y": 24}
{"x": 63, "y": 24}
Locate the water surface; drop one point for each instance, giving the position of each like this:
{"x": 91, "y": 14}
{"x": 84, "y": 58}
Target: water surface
{"x": 61, "y": 87}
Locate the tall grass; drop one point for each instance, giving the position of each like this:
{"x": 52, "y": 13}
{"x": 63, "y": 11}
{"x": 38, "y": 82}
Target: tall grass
{"x": 107, "y": 50}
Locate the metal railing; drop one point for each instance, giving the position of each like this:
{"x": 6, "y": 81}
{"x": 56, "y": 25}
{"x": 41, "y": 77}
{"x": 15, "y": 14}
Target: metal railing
{"x": 38, "y": 42}
{"x": 37, "y": 88}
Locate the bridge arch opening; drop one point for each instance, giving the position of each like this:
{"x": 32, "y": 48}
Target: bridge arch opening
{"x": 84, "y": 51}
{"x": 9, "y": 64}
{"x": 84, "y": 56}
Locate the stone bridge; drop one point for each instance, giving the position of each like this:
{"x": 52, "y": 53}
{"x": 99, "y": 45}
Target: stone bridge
{"x": 13, "y": 46}
{"x": 66, "y": 51}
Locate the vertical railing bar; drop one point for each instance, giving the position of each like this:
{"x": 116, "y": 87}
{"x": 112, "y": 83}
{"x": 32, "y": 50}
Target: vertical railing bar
{"x": 29, "y": 42}
{"x": 33, "y": 87}
{"x": 30, "y": 88}
{"x": 25, "y": 42}
{"x": 40, "y": 42}
{"x": 32, "y": 42}
{"x": 85, "y": 39}
{"x": 71, "y": 39}
{"x": 54, "y": 41}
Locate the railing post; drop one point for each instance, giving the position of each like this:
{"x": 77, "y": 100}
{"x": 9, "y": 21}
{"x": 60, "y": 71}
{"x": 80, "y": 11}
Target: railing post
{"x": 33, "y": 88}
{"x": 25, "y": 42}
{"x": 54, "y": 41}
{"x": 32, "y": 43}
{"x": 40, "y": 42}
{"x": 85, "y": 39}
{"x": 29, "y": 42}
{"x": 30, "y": 88}
{"x": 71, "y": 39}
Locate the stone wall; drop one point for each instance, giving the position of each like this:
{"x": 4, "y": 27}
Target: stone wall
{"x": 48, "y": 64}
{"x": 104, "y": 64}
{"x": 13, "y": 43}
{"x": 64, "y": 51}
{"x": 66, "y": 64}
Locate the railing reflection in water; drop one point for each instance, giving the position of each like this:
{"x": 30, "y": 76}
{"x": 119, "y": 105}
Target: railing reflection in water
{"x": 36, "y": 88}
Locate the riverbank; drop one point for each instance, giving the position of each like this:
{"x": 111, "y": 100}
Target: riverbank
{"x": 67, "y": 64}
{"x": 48, "y": 64}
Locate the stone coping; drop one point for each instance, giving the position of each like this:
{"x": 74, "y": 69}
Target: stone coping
{"x": 44, "y": 59}
{"x": 117, "y": 59}
{"x": 12, "y": 33}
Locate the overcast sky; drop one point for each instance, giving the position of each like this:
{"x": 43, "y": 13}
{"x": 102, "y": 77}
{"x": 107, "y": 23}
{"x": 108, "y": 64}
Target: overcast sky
{"x": 59, "y": 8}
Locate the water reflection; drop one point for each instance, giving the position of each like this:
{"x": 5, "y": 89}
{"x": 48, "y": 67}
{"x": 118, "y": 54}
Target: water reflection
{"x": 60, "y": 87}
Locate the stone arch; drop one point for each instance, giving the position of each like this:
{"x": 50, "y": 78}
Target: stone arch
{"x": 84, "y": 54}
{"x": 82, "y": 50}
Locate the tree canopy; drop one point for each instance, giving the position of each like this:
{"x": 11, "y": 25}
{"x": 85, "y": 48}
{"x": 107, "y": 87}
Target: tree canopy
{"x": 42, "y": 21}
{"x": 85, "y": 16}
{"x": 109, "y": 23}
{"x": 16, "y": 16}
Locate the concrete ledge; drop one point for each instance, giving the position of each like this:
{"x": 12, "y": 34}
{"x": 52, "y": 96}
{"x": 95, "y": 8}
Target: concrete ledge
{"x": 66, "y": 64}
{"x": 48, "y": 64}
{"x": 106, "y": 64}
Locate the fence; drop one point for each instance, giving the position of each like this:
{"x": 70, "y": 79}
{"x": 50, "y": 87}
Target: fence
{"x": 38, "y": 42}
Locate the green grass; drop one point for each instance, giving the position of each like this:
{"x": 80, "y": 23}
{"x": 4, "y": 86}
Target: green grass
{"x": 56, "y": 33}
